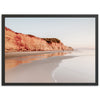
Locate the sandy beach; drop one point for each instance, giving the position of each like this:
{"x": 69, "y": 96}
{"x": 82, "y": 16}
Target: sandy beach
{"x": 51, "y": 67}
{"x": 27, "y": 53}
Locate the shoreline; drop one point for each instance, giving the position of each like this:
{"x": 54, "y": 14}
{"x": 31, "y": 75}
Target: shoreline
{"x": 27, "y": 53}
{"x": 28, "y": 70}
{"x": 51, "y": 68}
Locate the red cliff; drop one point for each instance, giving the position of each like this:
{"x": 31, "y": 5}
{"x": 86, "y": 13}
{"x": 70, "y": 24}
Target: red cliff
{"x": 21, "y": 42}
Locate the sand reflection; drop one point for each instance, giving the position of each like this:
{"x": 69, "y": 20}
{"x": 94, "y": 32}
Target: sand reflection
{"x": 38, "y": 71}
{"x": 15, "y": 61}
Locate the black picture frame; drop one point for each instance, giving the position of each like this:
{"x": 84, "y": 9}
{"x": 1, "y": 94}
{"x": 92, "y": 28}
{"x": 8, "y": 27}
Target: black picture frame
{"x": 55, "y": 16}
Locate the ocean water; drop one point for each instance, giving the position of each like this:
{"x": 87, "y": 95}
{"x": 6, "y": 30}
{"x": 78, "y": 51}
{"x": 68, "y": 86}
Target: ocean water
{"x": 76, "y": 66}
{"x": 80, "y": 69}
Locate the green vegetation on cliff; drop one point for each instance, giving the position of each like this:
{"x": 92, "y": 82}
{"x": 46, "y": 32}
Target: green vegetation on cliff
{"x": 50, "y": 40}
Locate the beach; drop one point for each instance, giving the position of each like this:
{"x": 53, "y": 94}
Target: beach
{"x": 51, "y": 67}
{"x": 27, "y": 53}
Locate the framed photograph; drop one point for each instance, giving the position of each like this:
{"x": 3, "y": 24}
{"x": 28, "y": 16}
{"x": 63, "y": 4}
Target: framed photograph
{"x": 50, "y": 50}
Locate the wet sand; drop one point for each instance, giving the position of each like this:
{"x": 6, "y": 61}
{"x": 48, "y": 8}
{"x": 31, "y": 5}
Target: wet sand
{"x": 50, "y": 68}
{"x": 27, "y": 53}
{"x": 34, "y": 72}
{"x": 12, "y": 61}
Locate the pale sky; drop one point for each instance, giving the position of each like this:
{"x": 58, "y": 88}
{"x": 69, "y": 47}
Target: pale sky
{"x": 74, "y": 32}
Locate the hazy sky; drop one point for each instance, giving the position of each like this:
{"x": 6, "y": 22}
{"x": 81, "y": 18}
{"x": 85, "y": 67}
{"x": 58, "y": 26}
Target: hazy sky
{"x": 74, "y": 32}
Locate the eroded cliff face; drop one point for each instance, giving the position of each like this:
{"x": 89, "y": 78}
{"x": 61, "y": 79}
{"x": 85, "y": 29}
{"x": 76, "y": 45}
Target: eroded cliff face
{"x": 15, "y": 42}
